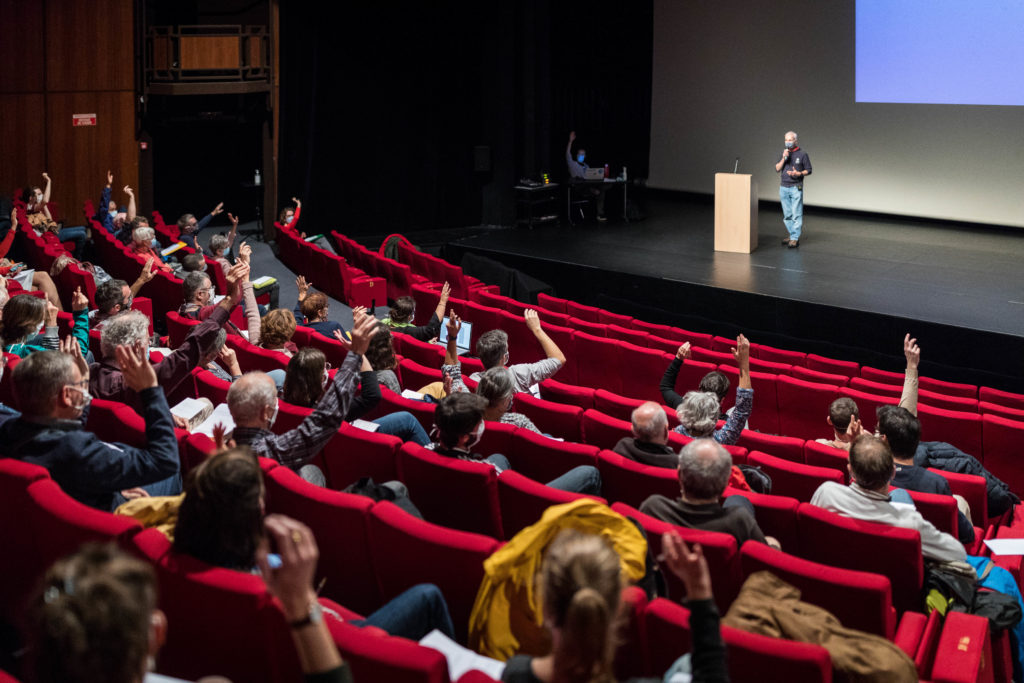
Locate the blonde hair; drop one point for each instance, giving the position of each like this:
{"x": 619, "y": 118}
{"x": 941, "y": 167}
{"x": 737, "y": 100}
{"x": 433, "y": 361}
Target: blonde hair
{"x": 580, "y": 588}
{"x": 277, "y": 328}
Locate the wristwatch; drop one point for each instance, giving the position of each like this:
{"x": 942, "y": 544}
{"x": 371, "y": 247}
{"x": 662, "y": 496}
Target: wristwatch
{"x": 315, "y": 616}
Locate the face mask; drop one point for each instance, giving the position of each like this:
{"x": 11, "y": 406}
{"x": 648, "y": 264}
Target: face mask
{"x": 323, "y": 382}
{"x": 112, "y": 213}
{"x": 273, "y": 417}
{"x": 580, "y": 158}
{"x": 39, "y": 196}
{"x": 86, "y": 400}
{"x": 477, "y": 435}
{"x": 288, "y": 220}
{"x": 42, "y": 326}
{"x": 790, "y": 144}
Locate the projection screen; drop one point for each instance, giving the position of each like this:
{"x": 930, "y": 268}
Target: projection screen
{"x": 730, "y": 77}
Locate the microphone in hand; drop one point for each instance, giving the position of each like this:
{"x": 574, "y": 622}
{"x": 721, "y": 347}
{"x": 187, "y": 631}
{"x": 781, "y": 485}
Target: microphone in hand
{"x": 785, "y": 153}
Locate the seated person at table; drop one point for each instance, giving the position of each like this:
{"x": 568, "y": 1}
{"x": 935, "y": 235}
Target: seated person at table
{"x": 401, "y": 315}
{"x": 221, "y": 522}
{"x": 459, "y": 425}
{"x": 704, "y": 470}
{"x": 577, "y": 170}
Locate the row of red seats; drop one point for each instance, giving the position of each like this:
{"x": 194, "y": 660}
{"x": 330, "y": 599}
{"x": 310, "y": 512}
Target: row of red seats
{"x": 330, "y": 272}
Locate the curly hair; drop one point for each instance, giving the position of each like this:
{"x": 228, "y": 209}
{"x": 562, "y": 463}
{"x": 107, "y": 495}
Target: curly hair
{"x": 313, "y": 304}
{"x": 277, "y": 328}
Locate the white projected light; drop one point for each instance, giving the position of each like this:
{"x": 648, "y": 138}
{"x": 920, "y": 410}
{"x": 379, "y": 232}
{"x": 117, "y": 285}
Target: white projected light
{"x": 940, "y": 52}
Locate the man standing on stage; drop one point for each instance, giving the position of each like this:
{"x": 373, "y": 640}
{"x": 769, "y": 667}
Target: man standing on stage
{"x": 794, "y": 165}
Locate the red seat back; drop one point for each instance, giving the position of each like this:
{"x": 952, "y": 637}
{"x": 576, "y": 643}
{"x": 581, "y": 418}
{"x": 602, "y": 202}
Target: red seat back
{"x": 645, "y": 368}
{"x": 355, "y": 453}
{"x": 339, "y": 521}
{"x": 406, "y": 551}
{"x": 544, "y": 459}
{"x": 837, "y": 367}
{"x": 891, "y": 551}
{"x": 803, "y": 407}
{"x": 451, "y": 492}
{"x": 524, "y": 500}
{"x": 824, "y": 455}
{"x": 791, "y": 478}
{"x": 1003, "y": 439}
{"x": 785, "y": 447}
{"x": 960, "y": 428}
{"x": 569, "y": 394}
{"x": 556, "y": 419}
{"x": 860, "y": 600}
{"x": 627, "y": 481}
{"x": 602, "y": 430}
{"x": 599, "y": 362}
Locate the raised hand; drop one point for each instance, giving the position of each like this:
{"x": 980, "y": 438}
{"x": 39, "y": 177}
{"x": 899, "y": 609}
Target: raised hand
{"x": 363, "y": 328}
{"x": 220, "y": 443}
{"x": 912, "y": 351}
{"x": 70, "y": 346}
{"x": 454, "y": 325}
{"x": 234, "y": 221}
{"x": 447, "y": 383}
{"x": 297, "y": 201}
{"x": 688, "y": 564}
{"x": 228, "y": 357}
{"x": 238, "y": 273}
{"x": 46, "y": 176}
{"x": 532, "y": 320}
{"x": 572, "y": 136}
{"x": 855, "y": 429}
{"x": 446, "y": 292}
{"x": 110, "y": 178}
{"x": 128, "y": 191}
{"x": 741, "y": 352}
{"x": 217, "y": 209}
{"x": 340, "y": 336}
{"x": 303, "y": 286}
{"x": 244, "y": 252}
{"x": 51, "y": 314}
{"x": 79, "y": 301}
{"x": 138, "y": 373}
{"x": 148, "y": 270}
{"x": 684, "y": 351}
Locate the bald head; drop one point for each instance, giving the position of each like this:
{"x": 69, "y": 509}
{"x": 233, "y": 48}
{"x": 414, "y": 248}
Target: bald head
{"x": 650, "y": 424}
{"x": 252, "y": 399}
{"x": 704, "y": 468}
{"x": 871, "y": 464}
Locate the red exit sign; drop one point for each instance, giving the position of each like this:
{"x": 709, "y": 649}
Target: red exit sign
{"x": 83, "y": 120}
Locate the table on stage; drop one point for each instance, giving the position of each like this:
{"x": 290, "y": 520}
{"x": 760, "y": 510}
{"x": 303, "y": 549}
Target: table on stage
{"x": 578, "y": 183}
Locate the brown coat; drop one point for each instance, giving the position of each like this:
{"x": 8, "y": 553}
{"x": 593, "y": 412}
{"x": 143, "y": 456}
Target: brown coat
{"x": 769, "y": 606}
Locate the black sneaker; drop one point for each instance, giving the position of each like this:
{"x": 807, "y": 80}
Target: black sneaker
{"x": 602, "y": 219}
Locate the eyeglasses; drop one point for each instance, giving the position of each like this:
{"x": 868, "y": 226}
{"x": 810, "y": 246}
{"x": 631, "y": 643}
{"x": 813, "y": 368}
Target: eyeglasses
{"x": 82, "y": 385}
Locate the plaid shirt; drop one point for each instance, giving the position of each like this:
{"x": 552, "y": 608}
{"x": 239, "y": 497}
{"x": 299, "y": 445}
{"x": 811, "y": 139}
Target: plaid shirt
{"x": 298, "y": 446}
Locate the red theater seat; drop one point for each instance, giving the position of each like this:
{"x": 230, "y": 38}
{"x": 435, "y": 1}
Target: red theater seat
{"x": 569, "y": 394}
{"x": 793, "y": 479}
{"x": 837, "y": 367}
{"x": 627, "y": 481}
{"x": 785, "y": 447}
{"x": 543, "y": 459}
{"x": 803, "y": 407}
{"x": 524, "y": 500}
{"x": 558, "y": 420}
{"x": 1003, "y": 439}
{"x": 962, "y": 429}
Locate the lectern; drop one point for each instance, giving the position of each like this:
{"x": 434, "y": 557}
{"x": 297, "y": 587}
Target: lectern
{"x": 735, "y": 212}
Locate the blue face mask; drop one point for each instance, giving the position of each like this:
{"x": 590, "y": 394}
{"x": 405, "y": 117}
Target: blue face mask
{"x": 790, "y": 144}
{"x": 580, "y": 158}
{"x": 288, "y": 220}
{"x": 112, "y": 213}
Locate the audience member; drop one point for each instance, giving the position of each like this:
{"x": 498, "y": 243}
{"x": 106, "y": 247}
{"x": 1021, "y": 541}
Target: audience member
{"x": 276, "y": 331}
{"x": 221, "y": 522}
{"x": 189, "y": 227}
{"x": 492, "y": 349}
{"x": 699, "y": 411}
{"x": 495, "y": 385}
{"x": 381, "y": 355}
{"x": 403, "y": 311}
{"x": 197, "y": 289}
{"x": 115, "y": 296}
{"x": 307, "y": 378}
{"x": 649, "y": 442}
{"x": 108, "y": 212}
{"x": 220, "y": 359}
{"x": 901, "y": 431}
{"x": 29, "y": 324}
{"x": 193, "y": 263}
{"x": 704, "y": 470}
{"x": 37, "y": 211}
{"x": 52, "y": 390}
{"x": 252, "y": 400}
{"x": 844, "y": 415}
{"x": 132, "y": 329}
{"x": 459, "y": 425}
{"x": 313, "y": 308}
{"x": 580, "y": 585}
{"x": 288, "y": 218}
{"x": 142, "y": 245}
{"x": 868, "y": 498}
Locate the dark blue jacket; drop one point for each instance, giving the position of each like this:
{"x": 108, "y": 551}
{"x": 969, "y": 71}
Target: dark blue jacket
{"x": 89, "y": 469}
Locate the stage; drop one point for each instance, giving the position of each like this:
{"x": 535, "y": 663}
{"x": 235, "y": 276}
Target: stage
{"x": 855, "y": 285}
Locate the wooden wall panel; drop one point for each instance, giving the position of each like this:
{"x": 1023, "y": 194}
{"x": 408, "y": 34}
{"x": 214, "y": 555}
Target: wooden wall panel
{"x": 23, "y": 134}
{"x": 21, "y": 47}
{"x": 209, "y": 52}
{"x": 89, "y": 45}
{"x": 80, "y": 156}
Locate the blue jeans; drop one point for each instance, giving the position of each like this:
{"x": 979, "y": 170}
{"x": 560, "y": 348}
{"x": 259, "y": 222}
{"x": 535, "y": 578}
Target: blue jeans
{"x": 900, "y": 496}
{"x": 405, "y": 426}
{"x": 171, "y": 486}
{"x": 792, "y": 209}
{"x": 74, "y": 234}
{"x": 582, "y": 479}
{"x": 413, "y": 614}
{"x": 740, "y": 501}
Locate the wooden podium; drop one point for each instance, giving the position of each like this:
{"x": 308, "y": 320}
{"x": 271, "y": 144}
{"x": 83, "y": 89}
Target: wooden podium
{"x": 735, "y": 212}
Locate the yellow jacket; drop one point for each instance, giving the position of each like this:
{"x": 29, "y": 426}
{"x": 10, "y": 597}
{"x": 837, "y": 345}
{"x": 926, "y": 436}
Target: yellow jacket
{"x": 154, "y": 512}
{"x": 507, "y": 617}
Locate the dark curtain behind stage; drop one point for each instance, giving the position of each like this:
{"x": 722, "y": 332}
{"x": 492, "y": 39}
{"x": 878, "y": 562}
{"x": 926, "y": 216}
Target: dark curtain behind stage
{"x": 384, "y": 107}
